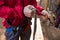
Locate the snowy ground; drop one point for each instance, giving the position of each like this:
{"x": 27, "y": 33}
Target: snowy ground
{"x": 39, "y": 34}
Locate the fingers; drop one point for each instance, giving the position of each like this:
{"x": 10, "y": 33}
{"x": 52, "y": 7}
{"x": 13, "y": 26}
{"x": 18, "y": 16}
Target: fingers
{"x": 28, "y": 11}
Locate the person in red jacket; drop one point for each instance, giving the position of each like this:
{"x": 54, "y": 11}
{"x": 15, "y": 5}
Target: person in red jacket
{"x": 17, "y": 17}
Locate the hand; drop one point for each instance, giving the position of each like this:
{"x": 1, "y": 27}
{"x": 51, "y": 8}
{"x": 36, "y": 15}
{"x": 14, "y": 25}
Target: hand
{"x": 48, "y": 16}
{"x": 29, "y": 10}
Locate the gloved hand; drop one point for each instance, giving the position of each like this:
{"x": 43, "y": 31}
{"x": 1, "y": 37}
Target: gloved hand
{"x": 29, "y": 10}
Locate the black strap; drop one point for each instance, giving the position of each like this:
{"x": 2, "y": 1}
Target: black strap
{"x": 9, "y": 21}
{"x": 35, "y": 26}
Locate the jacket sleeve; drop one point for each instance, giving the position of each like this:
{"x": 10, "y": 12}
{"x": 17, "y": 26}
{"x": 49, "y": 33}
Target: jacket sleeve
{"x": 38, "y": 8}
{"x": 4, "y": 10}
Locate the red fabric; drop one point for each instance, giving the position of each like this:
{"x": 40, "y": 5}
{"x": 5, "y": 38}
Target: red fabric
{"x": 13, "y": 8}
{"x": 39, "y": 9}
{"x": 1, "y": 2}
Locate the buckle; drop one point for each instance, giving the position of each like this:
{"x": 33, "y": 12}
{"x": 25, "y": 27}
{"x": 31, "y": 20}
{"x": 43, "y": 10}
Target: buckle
{"x": 17, "y": 28}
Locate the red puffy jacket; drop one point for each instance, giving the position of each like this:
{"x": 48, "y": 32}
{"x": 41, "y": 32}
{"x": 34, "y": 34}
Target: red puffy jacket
{"x": 8, "y": 8}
